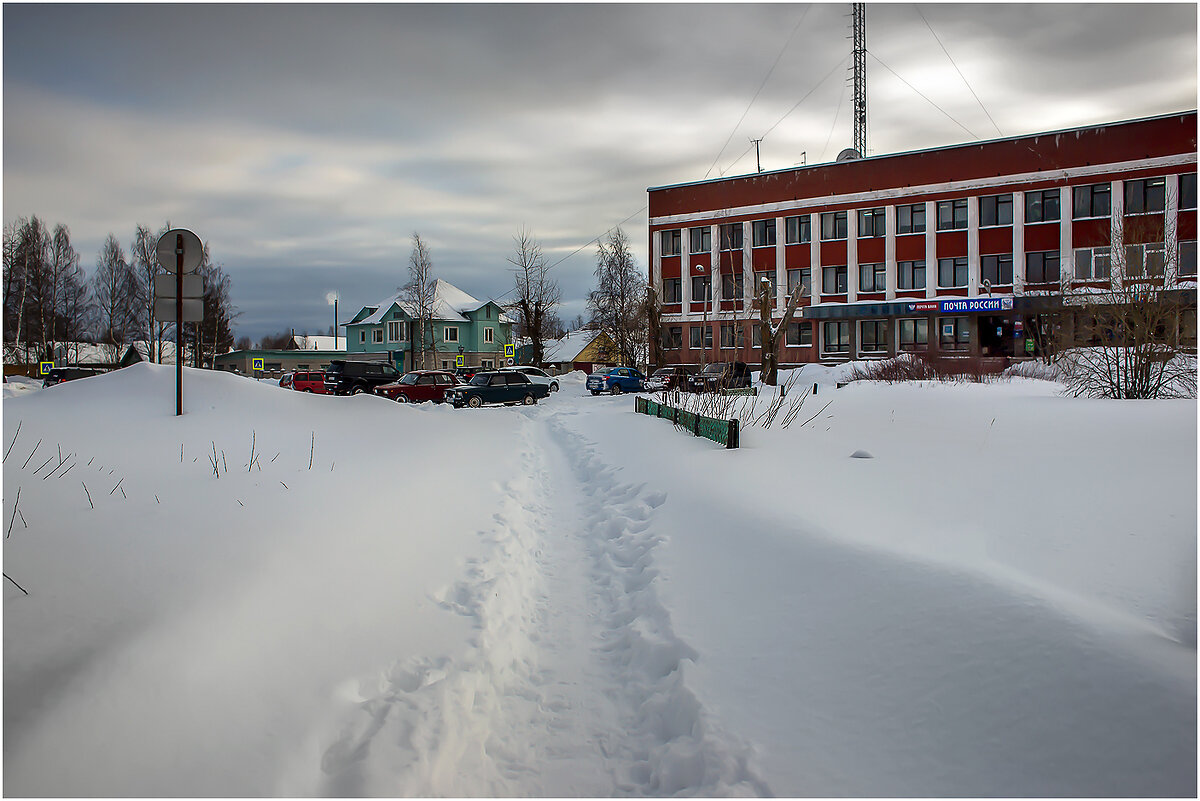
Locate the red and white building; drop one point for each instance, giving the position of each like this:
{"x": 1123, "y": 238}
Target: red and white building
{"x": 962, "y": 248}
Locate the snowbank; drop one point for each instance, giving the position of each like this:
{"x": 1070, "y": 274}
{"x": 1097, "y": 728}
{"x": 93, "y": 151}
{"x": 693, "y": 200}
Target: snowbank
{"x": 348, "y": 596}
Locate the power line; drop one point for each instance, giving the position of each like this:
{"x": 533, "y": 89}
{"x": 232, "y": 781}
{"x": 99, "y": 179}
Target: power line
{"x": 927, "y": 100}
{"x": 760, "y": 88}
{"x": 593, "y": 239}
{"x": 836, "y": 114}
{"x": 788, "y": 113}
{"x": 956, "y": 69}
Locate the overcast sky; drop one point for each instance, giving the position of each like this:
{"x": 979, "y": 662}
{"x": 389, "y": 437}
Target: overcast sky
{"x": 306, "y": 143}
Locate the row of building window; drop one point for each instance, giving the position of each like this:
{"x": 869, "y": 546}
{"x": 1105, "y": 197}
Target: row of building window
{"x": 397, "y": 331}
{"x": 913, "y": 334}
{"x": 1041, "y": 267}
{"x": 1089, "y": 201}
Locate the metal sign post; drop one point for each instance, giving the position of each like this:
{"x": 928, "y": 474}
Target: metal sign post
{"x": 179, "y": 251}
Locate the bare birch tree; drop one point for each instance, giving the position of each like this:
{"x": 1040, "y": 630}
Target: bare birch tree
{"x": 115, "y": 288}
{"x": 145, "y": 266}
{"x": 618, "y": 303}
{"x": 420, "y": 294}
{"x": 537, "y": 294}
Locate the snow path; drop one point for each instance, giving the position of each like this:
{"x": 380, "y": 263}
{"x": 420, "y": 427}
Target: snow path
{"x": 573, "y": 683}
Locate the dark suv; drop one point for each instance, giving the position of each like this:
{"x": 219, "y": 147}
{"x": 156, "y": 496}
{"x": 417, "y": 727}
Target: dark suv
{"x": 720, "y": 375}
{"x": 344, "y": 377}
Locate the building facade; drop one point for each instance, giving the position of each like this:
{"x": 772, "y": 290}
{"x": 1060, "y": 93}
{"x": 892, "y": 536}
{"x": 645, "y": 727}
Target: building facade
{"x": 461, "y": 325}
{"x": 965, "y": 249}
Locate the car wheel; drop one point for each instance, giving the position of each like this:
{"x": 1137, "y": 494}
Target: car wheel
{"x": 358, "y": 390}
{"x": 529, "y": 400}
{"x": 615, "y": 389}
{"x": 400, "y": 398}
{"x": 554, "y": 386}
{"x": 595, "y": 392}
{"x": 474, "y": 402}
{"x": 306, "y": 390}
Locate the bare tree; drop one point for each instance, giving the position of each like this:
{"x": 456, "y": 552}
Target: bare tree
{"x": 1120, "y": 334}
{"x": 421, "y": 295}
{"x": 212, "y": 335}
{"x": 115, "y": 289}
{"x": 772, "y": 334}
{"x": 653, "y": 327}
{"x": 618, "y": 303}
{"x": 144, "y": 262}
{"x": 537, "y": 294}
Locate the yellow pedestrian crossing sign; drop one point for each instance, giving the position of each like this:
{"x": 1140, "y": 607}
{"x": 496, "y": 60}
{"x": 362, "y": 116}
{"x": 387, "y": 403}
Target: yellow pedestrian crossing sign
{"x": 509, "y": 351}
{"x": 256, "y": 364}
{"x": 458, "y": 360}
{"x": 44, "y": 368}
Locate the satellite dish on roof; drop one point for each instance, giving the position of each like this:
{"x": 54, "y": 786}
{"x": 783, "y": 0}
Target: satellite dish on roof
{"x": 849, "y": 154}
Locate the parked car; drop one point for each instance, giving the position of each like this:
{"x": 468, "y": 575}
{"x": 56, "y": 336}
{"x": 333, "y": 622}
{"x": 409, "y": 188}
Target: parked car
{"x": 345, "y": 377}
{"x": 466, "y": 373}
{"x": 668, "y": 378}
{"x": 285, "y": 381}
{"x": 313, "y": 381}
{"x": 498, "y": 386}
{"x": 720, "y": 375}
{"x": 537, "y": 375}
{"x": 616, "y": 380}
{"x": 57, "y": 375}
{"x": 419, "y": 386}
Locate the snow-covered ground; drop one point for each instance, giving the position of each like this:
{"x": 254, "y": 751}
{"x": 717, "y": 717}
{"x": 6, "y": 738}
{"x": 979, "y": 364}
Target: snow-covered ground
{"x": 287, "y": 594}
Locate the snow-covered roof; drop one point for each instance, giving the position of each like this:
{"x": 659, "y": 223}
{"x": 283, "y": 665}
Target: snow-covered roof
{"x": 449, "y": 303}
{"x": 305, "y": 342}
{"x": 569, "y": 347}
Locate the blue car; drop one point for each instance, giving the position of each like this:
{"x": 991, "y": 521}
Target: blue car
{"x": 616, "y": 380}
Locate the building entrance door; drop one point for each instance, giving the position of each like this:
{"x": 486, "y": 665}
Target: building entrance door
{"x": 995, "y": 336}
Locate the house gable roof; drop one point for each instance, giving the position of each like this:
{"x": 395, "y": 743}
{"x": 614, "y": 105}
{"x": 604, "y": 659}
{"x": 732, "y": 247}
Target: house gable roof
{"x": 449, "y": 305}
{"x": 569, "y": 347}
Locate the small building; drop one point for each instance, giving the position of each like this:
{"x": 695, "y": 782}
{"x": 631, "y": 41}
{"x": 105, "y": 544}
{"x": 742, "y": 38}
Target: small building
{"x": 462, "y": 326}
{"x": 580, "y": 350}
{"x": 277, "y": 362}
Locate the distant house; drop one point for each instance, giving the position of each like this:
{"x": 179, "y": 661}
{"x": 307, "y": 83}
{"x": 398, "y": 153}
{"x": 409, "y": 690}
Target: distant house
{"x": 579, "y": 350}
{"x": 462, "y": 325}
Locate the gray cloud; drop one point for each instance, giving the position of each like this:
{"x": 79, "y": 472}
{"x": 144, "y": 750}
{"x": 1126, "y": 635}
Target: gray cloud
{"x": 307, "y": 143}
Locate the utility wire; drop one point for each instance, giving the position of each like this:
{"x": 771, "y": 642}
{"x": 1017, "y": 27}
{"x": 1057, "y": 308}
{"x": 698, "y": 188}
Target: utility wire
{"x": 756, "y": 94}
{"x": 836, "y": 114}
{"x": 590, "y": 241}
{"x": 788, "y": 113}
{"x": 956, "y": 69}
{"x": 927, "y": 100}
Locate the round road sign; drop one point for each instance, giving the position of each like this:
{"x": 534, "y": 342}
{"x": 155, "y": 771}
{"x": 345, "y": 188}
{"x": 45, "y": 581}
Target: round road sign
{"x": 193, "y": 250}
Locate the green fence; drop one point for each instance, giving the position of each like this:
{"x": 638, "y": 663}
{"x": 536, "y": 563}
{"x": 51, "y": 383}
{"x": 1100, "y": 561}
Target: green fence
{"x": 722, "y": 432}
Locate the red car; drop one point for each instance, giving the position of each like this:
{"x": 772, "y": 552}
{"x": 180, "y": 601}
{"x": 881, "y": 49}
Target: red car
{"x": 308, "y": 382}
{"x": 419, "y": 385}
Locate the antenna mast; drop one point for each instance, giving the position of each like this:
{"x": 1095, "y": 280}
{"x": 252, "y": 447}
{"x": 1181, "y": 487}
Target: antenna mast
{"x": 860, "y": 78}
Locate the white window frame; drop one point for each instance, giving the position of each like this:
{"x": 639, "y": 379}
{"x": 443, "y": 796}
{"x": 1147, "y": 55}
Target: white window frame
{"x": 397, "y": 327}
{"x": 1086, "y": 258}
{"x": 446, "y": 330}
{"x": 489, "y": 335}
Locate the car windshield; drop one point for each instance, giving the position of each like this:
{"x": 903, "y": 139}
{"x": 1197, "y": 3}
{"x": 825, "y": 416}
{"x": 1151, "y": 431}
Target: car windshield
{"x": 718, "y": 367}
{"x": 663, "y": 371}
{"x": 611, "y": 371}
{"x": 409, "y": 378}
{"x": 335, "y": 368}
{"x": 480, "y": 380}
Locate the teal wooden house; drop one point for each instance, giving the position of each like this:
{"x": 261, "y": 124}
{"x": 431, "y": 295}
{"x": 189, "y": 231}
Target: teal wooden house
{"x": 461, "y": 326}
